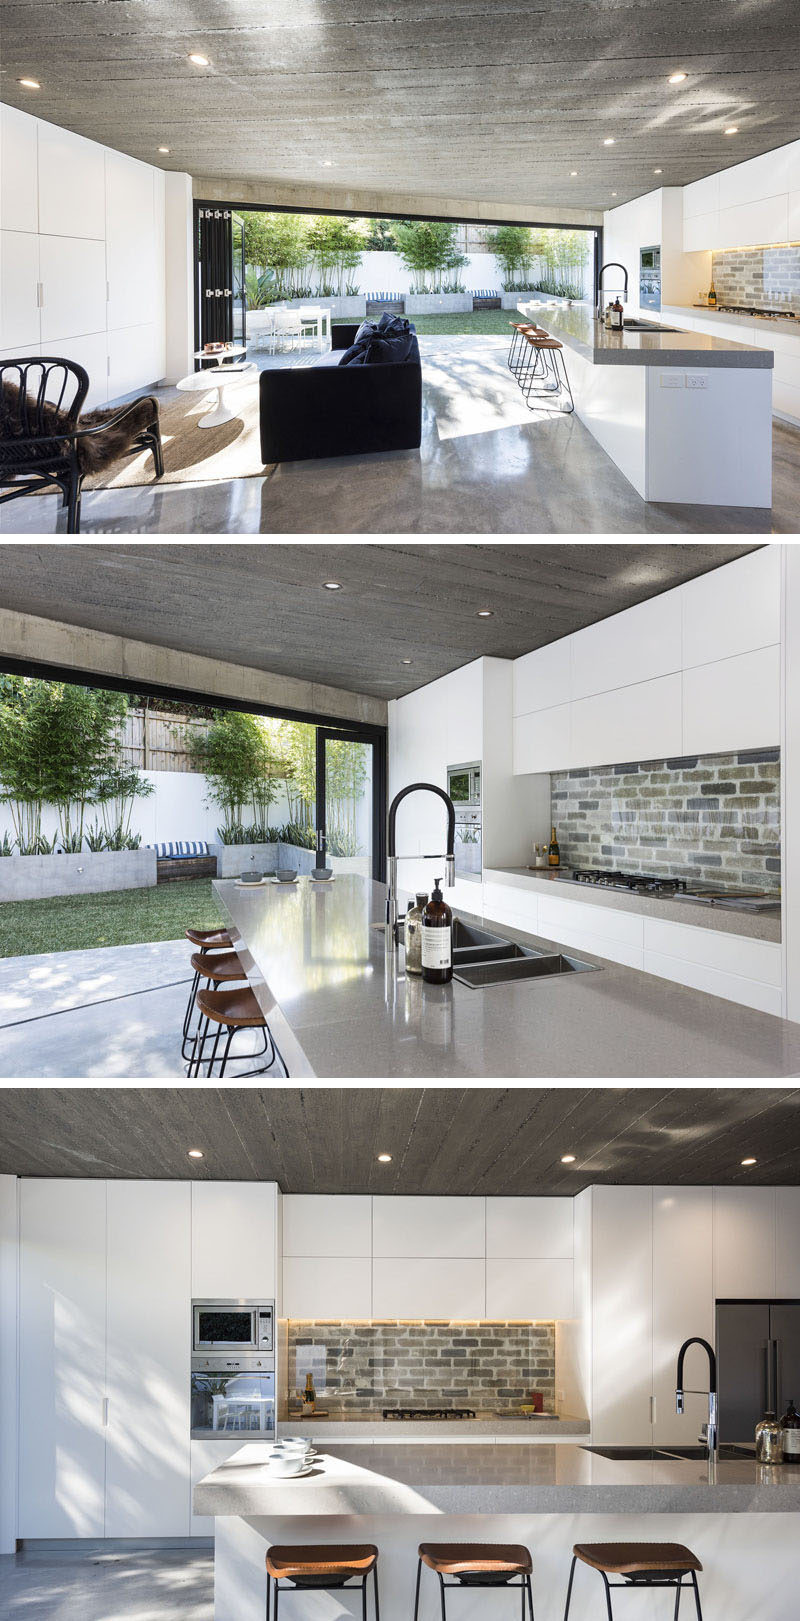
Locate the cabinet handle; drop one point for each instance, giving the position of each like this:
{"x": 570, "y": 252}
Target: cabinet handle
{"x": 40, "y": 295}
{"x": 105, "y": 1412}
{"x": 652, "y": 1409}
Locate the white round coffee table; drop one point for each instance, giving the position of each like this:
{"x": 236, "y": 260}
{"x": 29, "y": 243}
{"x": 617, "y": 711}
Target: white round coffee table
{"x": 218, "y": 378}
{"x": 235, "y": 351}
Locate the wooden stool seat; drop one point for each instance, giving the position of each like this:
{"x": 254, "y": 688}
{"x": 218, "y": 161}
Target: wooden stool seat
{"x": 209, "y": 939}
{"x": 637, "y": 1558}
{"x": 542, "y": 340}
{"x": 222, "y": 965}
{"x": 239, "y": 1009}
{"x": 476, "y": 1558}
{"x": 321, "y": 1566}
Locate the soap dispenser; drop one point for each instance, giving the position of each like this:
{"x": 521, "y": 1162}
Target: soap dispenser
{"x": 437, "y": 939}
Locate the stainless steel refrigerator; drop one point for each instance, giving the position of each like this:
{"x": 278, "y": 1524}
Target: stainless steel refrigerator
{"x": 758, "y": 1359}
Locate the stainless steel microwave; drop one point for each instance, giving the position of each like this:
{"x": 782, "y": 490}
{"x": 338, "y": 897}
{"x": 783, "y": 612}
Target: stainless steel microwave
{"x": 233, "y": 1325}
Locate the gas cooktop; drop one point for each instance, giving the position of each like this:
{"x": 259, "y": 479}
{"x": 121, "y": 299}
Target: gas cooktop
{"x": 766, "y": 315}
{"x": 428, "y": 1412}
{"x": 640, "y": 883}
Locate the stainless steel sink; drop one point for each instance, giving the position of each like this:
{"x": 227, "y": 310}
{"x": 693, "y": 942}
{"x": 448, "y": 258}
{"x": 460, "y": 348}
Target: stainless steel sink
{"x": 519, "y": 963}
{"x": 647, "y": 326}
{"x": 727, "y": 1451}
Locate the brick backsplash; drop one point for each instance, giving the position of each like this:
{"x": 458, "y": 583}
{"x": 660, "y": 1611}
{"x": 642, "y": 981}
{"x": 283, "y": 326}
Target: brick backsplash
{"x": 483, "y": 1365}
{"x": 763, "y": 278}
{"x": 713, "y": 818}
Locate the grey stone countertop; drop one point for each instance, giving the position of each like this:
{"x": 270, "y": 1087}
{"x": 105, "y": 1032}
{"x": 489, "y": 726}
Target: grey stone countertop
{"x": 339, "y": 1004}
{"x": 579, "y": 329}
{"x": 486, "y": 1426}
{"x": 785, "y": 325}
{"x": 459, "y": 1479}
{"x": 726, "y": 920}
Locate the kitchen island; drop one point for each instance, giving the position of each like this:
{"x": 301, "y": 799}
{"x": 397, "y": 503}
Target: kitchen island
{"x": 686, "y": 416}
{"x": 339, "y": 1003}
{"x": 739, "y": 1519}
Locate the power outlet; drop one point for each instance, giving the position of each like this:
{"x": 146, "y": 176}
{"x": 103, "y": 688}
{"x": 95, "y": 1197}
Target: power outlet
{"x": 696, "y": 379}
{"x": 671, "y": 379}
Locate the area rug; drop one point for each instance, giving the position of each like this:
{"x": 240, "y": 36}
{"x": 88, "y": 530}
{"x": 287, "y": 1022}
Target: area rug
{"x": 194, "y": 455}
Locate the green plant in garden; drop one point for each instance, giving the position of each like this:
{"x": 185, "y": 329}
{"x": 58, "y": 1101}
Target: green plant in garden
{"x": 560, "y": 258}
{"x": 303, "y": 837}
{"x": 279, "y": 243}
{"x": 379, "y": 235}
{"x": 56, "y": 740}
{"x": 261, "y": 288}
{"x": 512, "y": 246}
{"x": 115, "y": 792}
{"x": 428, "y": 249}
{"x": 95, "y": 837}
{"x": 240, "y": 766}
{"x": 336, "y": 245}
{"x": 6, "y": 846}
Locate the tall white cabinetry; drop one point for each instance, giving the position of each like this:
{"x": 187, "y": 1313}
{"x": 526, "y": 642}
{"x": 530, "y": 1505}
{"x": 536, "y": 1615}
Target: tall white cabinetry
{"x": 327, "y": 1255}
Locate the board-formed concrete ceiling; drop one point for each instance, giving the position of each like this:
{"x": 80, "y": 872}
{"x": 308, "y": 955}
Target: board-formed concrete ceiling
{"x": 265, "y": 605}
{"x": 443, "y": 1140}
{"x": 481, "y": 99}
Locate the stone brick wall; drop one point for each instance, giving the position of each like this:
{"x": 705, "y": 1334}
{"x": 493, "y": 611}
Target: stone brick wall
{"x": 712, "y": 818}
{"x": 486, "y": 1366}
{"x": 765, "y": 278}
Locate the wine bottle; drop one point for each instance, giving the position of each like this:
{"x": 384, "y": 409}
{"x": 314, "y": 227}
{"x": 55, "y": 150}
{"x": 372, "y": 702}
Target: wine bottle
{"x": 310, "y": 1394}
{"x": 553, "y": 852}
{"x": 790, "y": 1434}
{"x": 712, "y": 295}
{"x": 437, "y": 939}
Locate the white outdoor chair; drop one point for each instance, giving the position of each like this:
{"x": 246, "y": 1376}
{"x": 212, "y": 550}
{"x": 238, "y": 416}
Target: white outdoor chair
{"x": 287, "y": 329}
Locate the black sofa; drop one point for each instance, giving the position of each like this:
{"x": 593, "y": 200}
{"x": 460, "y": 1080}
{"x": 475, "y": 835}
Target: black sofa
{"x": 333, "y": 410}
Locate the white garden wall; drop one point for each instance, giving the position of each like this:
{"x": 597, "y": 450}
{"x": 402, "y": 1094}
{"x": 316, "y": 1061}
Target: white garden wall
{"x": 385, "y": 273}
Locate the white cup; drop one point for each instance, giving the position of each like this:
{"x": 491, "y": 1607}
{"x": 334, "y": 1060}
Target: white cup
{"x": 287, "y": 1464}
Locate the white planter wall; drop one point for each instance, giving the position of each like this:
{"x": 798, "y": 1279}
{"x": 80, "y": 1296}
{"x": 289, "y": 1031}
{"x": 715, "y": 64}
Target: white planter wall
{"x": 25, "y": 878}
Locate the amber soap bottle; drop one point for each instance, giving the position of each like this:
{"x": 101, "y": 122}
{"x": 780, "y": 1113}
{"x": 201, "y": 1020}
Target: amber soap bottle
{"x": 437, "y": 940}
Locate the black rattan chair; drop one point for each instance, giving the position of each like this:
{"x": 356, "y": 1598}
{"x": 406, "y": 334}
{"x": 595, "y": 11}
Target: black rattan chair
{"x": 44, "y": 440}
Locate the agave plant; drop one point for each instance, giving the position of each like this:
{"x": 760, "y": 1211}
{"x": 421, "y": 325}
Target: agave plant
{"x": 96, "y": 837}
{"x": 6, "y": 845}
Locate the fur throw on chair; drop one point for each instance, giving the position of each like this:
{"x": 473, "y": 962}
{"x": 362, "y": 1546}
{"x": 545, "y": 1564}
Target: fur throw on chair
{"x": 98, "y": 450}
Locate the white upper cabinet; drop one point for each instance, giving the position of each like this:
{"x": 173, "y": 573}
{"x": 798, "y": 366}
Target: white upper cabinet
{"x": 733, "y": 704}
{"x": 148, "y": 1352}
{"x": 631, "y": 723}
{"x": 429, "y": 1288}
{"x": 622, "y": 1315}
{"x": 734, "y": 609}
{"x": 463, "y": 713}
{"x": 62, "y": 1358}
{"x": 787, "y": 1242}
{"x": 428, "y": 1227}
{"x": 327, "y": 1224}
{"x": 543, "y": 740}
{"x": 72, "y": 200}
{"x": 131, "y": 267}
{"x": 337, "y": 1286}
{"x": 683, "y": 1301}
{"x": 528, "y": 1228}
{"x": 542, "y": 678}
{"x": 701, "y": 197}
{"x": 530, "y": 1289}
{"x": 744, "y": 1243}
{"x": 634, "y": 646}
{"x": 234, "y": 1240}
{"x": 19, "y": 304}
{"x": 19, "y": 183}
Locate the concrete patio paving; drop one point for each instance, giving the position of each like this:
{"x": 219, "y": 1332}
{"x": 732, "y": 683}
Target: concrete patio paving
{"x": 95, "y": 1015}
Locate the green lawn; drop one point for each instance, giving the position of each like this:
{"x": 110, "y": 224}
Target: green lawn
{"x": 123, "y": 917}
{"x": 491, "y": 321}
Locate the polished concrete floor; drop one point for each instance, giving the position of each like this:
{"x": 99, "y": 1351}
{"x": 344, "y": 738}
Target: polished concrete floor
{"x": 486, "y": 466}
{"x": 95, "y": 1584}
{"x": 94, "y": 1015}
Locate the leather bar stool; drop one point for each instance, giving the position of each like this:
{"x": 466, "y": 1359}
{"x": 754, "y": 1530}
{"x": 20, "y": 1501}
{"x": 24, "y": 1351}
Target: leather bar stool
{"x": 324, "y": 1569}
{"x": 640, "y": 1564}
{"x": 557, "y": 379}
{"x": 477, "y": 1564}
{"x": 230, "y": 1011}
{"x": 518, "y": 330}
{"x": 216, "y": 968}
{"x": 206, "y": 940}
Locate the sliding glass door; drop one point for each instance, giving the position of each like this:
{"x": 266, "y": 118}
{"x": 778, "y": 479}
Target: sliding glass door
{"x": 348, "y": 810}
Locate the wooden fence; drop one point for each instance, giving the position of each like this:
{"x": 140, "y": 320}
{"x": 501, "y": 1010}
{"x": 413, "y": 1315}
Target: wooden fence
{"x": 153, "y": 741}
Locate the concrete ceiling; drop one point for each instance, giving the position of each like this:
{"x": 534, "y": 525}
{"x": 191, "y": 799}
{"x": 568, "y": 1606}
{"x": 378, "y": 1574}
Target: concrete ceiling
{"x": 264, "y": 605}
{"x": 481, "y": 99}
{"x": 442, "y": 1140}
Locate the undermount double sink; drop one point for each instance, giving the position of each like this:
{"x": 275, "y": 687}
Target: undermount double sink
{"x": 634, "y": 325}
{"x": 481, "y": 958}
{"x": 726, "y": 1451}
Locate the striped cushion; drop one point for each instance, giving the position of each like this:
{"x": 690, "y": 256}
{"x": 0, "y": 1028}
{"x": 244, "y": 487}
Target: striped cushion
{"x": 180, "y": 847}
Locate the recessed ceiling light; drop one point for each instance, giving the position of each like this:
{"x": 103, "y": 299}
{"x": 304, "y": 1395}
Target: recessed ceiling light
{"x": 196, "y": 1153}
{"x": 567, "y": 1159}
{"x": 733, "y": 129}
{"x": 658, "y": 171}
{"x": 609, "y": 140}
{"x": 573, "y": 173}
{"x": 677, "y": 78}
{"x": 485, "y": 613}
{"x": 384, "y": 1159}
{"x": 749, "y": 1162}
{"x": 613, "y": 194}
{"x": 405, "y": 661}
{"x": 331, "y": 585}
{"x": 327, "y": 163}
{"x": 30, "y": 84}
{"x": 164, "y": 149}
{"x": 199, "y": 61}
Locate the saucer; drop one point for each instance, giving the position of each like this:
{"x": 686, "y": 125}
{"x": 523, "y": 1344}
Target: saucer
{"x": 240, "y": 884}
{"x": 283, "y": 883}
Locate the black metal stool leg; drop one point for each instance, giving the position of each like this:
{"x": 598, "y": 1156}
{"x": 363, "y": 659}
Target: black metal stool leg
{"x": 190, "y": 1004}
{"x": 224, "y": 1060}
{"x": 441, "y": 1590}
{"x": 364, "y": 1599}
{"x": 697, "y": 1596}
{"x": 197, "y": 1048}
{"x": 416, "y": 1593}
{"x": 375, "y": 1582}
{"x": 567, "y": 383}
{"x": 530, "y": 1597}
{"x": 608, "y": 1595}
{"x": 269, "y": 1585}
{"x": 678, "y": 1591}
{"x": 217, "y": 1039}
{"x": 275, "y": 1601}
{"x": 569, "y": 1587}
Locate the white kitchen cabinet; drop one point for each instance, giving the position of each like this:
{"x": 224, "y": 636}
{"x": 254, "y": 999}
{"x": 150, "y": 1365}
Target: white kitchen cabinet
{"x": 787, "y": 1243}
{"x": 734, "y": 609}
{"x": 543, "y": 740}
{"x": 641, "y": 722}
{"x": 701, "y": 197}
{"x": 19, "y": 301}
{"x": 638, "y": 645}
{"x": 530, "y": 1229}
{"x": 538, "y": 1289}
{"x": 73, "y": 277}
{"x": 62, "y": 1357}
{"x": 622, "y": 1315}
{"x": 90, "y": 352}
{"x": 751, "y": 224}
{"x": 428, "y": 1227}
{"x": 338, "y": 1286}
{"x": 130, "y": 235}
{"x": 72, "y": 195}
{"x": 442, "y": 1289}
{"x": 543, "y": 678}
{"x": 600, "y": 930}
{"x": 744, "y": 1243}
{"x": 19, "y": 185}
{"x": 513, "y": 904}
{"x": 234, "y": 1240}
{"x": 733, "y": 704}
{"x": 148, "y": 1359}
{"x": 327, "y": 1224}
{"x": 683, "y": 1303}
{"x": 132, "y": 359}
{"x": 700, "y": 233}
{"x": 464, "y": 713}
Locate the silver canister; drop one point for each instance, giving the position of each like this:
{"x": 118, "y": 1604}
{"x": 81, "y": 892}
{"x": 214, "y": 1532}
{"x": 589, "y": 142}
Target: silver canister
{"x": 413, "y": 935}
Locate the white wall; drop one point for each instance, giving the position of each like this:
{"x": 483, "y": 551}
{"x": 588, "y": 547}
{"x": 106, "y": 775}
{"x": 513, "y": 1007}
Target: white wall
{"x": 747, "y": 205}
{"x": 82, "y": 242}
{"x": 9, "y": 1371}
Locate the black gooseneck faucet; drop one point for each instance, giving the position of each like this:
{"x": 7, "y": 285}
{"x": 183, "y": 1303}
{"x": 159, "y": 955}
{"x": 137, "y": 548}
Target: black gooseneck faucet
{"x": 612, "y": 264}
{"x": 393, "y": 858}
{"x": 711, "y": 1428}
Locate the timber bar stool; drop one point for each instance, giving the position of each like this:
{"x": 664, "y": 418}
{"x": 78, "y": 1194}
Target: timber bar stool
{"x": 215, "y": 967}
{"x": 640, "y": 1564}
{"x": 323, "y": 1568}
{"x": 477, "y": 1564}
{"x": 231, "y": 1011}
{"x": 551, "y": 352}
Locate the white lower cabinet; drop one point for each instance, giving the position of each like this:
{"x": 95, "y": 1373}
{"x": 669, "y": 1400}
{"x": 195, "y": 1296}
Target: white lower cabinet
{"x": 529, "y": 1288}
{"x": 622, "y": 1315}
{"x": 726, "y": 965}
{"x": 62, "y": 1358}
{"x": 514, "y": 904}
{"x": 598, "y": 929}
{"x": 683, "y": 1305}
{"x": 147, "y": 1361}
{"x": 429, "y": 1288}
